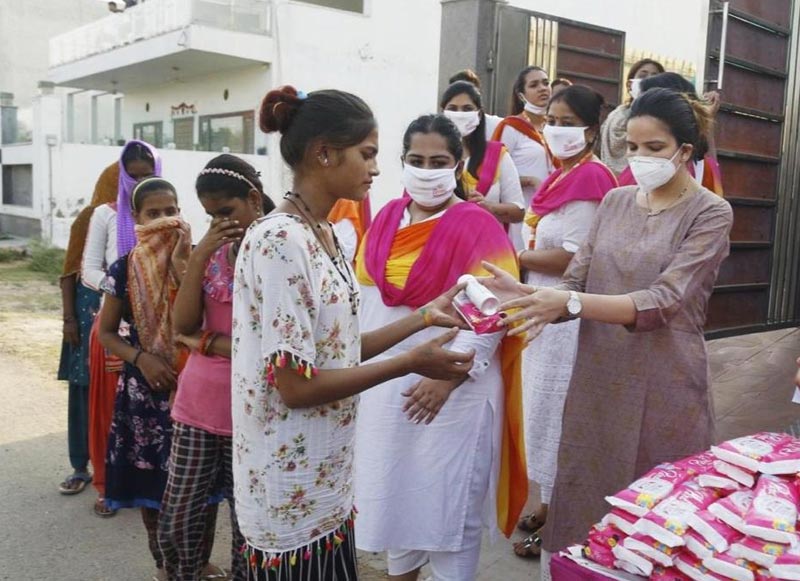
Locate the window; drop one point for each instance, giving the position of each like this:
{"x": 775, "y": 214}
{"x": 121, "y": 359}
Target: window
{"x": 18, "y": 185}
{"x": 348, "y": 5}
{"x": 232, "y": 130}
{"x": 152, "y": 133}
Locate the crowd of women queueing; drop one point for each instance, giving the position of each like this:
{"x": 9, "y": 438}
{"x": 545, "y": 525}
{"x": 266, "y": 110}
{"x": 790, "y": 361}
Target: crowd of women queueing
{"x": 304, "y": 360}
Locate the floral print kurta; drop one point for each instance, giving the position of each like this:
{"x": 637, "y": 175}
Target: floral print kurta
{"x": 291, "y": 308}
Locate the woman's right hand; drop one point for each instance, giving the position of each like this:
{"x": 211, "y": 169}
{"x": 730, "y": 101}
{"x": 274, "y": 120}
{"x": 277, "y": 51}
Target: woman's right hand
{"x": 431, "y": 359}
{"x": 159, "y": 374}
{"x": 70, "y": 332}
{"x": 221, "y": 231}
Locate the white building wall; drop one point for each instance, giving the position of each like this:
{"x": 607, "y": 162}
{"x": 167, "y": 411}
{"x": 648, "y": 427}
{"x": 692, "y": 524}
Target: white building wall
{"x": 389, "y": 57}
{"x": 76, "y": 168}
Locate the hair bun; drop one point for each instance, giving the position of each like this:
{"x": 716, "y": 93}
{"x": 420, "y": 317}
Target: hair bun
{"x": 279, "y": 108}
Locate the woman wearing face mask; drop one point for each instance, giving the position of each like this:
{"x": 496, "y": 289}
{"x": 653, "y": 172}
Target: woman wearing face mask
{"x": 521, "y": 133}
{"x": 489, "y": 178}
{"x": 422, "y": 489}
{"x": 612, "y": 134}
{"x": 703, "y": 165}
{"x": 557, "y": 224}
{"x": 639, "y": 393}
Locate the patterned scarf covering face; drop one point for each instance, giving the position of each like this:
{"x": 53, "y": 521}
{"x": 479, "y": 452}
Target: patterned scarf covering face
{"x": 105, "y": 191}
{"x": 126, "y": 233}
{"x": 155, "y": 268}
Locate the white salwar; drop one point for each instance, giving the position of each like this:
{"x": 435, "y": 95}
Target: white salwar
{"x": 425, "y": 492}
{"x": 548, "y": 360}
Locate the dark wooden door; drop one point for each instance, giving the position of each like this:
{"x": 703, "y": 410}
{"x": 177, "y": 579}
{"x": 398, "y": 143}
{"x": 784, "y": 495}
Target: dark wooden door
{"x": 581, "y": 52}
{"x": 755, "y": 71}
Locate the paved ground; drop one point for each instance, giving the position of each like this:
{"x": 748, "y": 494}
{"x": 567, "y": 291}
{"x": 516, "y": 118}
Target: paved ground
{"x": 46, "y": 536}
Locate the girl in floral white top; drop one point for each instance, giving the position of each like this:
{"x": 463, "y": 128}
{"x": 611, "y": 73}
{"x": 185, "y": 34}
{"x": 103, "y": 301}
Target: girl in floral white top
{"x": 297, "y": 347}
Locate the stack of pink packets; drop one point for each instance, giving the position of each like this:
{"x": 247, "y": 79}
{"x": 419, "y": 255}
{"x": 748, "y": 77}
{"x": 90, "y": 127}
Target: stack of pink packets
{"x": 729, "y": 513}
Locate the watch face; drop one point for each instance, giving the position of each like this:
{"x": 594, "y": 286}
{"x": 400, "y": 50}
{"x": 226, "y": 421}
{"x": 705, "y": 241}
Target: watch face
{"x": 574, "y": 306}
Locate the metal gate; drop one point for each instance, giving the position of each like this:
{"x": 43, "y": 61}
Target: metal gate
{"x": 751, "y": 60}
{"x": 581, "y": 52}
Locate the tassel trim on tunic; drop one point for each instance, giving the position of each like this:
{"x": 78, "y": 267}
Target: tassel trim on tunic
{"x": 287, "y": 360}
{"x": 278, "y": 561}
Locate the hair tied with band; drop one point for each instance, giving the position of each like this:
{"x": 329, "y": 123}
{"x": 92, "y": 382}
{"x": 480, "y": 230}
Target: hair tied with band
{"x": 279, "y": 108}
{"x": 137, "y": 188}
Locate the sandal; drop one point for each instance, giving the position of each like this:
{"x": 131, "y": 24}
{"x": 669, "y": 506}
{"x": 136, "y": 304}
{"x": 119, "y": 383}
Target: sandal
{"x": 530, "y": 523}
{"x": 101, "y": 510}
{"x": 529, "y": 547}
{"x": 74, "y": 483}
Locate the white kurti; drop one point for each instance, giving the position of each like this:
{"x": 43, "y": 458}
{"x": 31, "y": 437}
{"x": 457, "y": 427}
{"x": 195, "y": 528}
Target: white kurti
{"x": 547, "y": 362}
{"x": 530, "y": 159}
{"x": 412, "y": 481}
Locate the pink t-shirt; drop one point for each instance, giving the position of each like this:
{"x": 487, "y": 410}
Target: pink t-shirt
{"x": 204, "y": 386}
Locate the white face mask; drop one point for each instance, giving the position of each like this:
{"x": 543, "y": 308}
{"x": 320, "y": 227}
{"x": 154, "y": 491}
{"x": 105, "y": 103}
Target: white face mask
{"x": 429, "y": 188}
{"x": 652, "y": 172}
{"x": 531, "y": 108}
{"x": 465, "y": 121}
{"x": 636, "y": 88}
{"x": 565, "y": 142}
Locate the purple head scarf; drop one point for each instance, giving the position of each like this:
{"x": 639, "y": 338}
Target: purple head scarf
{"x": 126, "y": 235}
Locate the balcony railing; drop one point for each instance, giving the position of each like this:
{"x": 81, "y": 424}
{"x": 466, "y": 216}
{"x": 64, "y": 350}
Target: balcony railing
{"x": 153, "y": 18}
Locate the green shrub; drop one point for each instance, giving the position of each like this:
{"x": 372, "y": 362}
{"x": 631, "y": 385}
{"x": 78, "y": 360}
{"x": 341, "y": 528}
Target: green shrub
{"x": 45, "y": 259}
{"x": 12, "y": 254}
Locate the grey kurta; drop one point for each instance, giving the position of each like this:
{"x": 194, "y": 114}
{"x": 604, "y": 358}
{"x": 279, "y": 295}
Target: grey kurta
{"x": 640, "y": 395}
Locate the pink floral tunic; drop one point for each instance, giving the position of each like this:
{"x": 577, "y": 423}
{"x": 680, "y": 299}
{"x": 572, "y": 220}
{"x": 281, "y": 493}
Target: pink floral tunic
{"x": 292, "y": 467}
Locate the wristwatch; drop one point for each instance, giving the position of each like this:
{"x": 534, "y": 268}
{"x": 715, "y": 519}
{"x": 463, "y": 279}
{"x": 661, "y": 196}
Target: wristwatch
{"x": 574, "y": 305}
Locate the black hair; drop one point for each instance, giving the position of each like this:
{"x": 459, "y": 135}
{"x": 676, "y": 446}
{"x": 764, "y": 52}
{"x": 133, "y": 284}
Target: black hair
{"x": 679, "y": 84}
{"x": 515, "y": 107}
{"x": 689, "y": 120}
{"x": 137, "y": 152}
{"x": 672, "y": 81}
{"x": 442, "y": 125}
{"x": 467, "y": 75}
{"x": 476, "y": 141}
{"x": 584, "y": 101}
{"x": 226, "y": 185}
{"x": 641, "y": 63}
{"x": 336, "y": 118}
{"x": 146, "y": 187}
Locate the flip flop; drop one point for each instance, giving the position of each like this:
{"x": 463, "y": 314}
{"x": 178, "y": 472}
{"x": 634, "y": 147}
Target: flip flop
{"x": 101, "y": 510}
{"x": 74, "y": 483}
{"x": 529, "y": 547}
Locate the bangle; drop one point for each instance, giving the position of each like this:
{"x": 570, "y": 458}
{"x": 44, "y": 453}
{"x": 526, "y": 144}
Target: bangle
{"x": 427, "y": 318}
{"x": 210, "y": 342}
{"x": 136, "y": 357}
{"x": 202, "y": 347}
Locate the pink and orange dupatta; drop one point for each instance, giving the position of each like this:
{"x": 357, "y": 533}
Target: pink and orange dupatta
{"x": 415, "y": 265}
{"x": 155, "y": 268}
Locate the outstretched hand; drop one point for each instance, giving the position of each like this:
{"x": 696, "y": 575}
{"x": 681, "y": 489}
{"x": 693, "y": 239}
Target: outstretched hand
{"x": 432, "y": 360}
{"x": 440, "y": 312}
{"x": 426, "y": 399}
{"x": 504, "y": 285}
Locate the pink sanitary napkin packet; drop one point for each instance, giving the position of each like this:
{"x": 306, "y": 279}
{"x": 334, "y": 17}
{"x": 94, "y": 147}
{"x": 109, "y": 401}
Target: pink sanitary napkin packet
{"x": 732, "y": 508}
{"x": 746, "y": 478}
{"x": 759, "y": 552}
{"x": 693, "y": 568}
{"x": 784, "y": 460}
{"x": 715, "y": 532}
{"x": 748, "y": 451}
{"x": 652, "y": 549}
{"x": 731, "y": 568}
{"x": 787, "y": 566}
{"x": 667, "y": 522}
{"x": 646, "y": 492}
{"x": 773, "y": 512}
{"x": 478, "y": 322}
{"x": 624, "y": 521}
{"x": 632, "y": 562}
{"x": 667, "y": 574}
